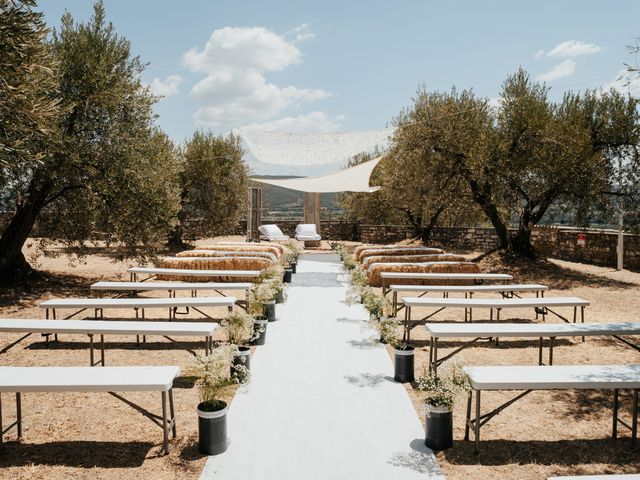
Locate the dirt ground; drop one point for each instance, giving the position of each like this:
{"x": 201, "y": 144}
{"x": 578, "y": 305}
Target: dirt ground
{"x": 96, "y": 435}
{"x": 547, "y": 432}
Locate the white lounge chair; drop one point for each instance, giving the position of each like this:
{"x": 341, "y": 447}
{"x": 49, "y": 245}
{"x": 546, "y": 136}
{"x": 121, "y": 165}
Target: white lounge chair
{"x": 306, "y": 232}
{"x": 272, "y": 233}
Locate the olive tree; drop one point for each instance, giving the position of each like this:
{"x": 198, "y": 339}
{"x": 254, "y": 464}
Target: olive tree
{"x": 214, "y": 183}
{"x": 109, "y": 174}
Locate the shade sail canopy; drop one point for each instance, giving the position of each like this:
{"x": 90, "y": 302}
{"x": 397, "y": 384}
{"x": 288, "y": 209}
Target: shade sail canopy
{"x": 353, "y": 179}
{"x": 310, "y": 149}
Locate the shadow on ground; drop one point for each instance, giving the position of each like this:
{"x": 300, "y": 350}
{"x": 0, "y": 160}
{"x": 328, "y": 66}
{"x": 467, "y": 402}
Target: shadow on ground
{"x": 82, "y": 454}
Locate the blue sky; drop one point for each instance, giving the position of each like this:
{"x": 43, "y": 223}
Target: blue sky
{"x": 338, "y": 65}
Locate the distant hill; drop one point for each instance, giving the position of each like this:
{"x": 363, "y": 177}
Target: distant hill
{"x": 278, "y": 202}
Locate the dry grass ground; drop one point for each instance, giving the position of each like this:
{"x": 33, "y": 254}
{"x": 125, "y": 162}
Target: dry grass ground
{"x": 95, "y": 435}
{"x": 547, "y": 432}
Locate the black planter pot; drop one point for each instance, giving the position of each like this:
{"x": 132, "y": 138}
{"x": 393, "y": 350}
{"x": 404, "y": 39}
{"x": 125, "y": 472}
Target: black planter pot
{"x": 270, "y": 310}
{"x": 404, "y": 360}
{"x": 294, "y": 267}
{"x": 260, "y": 323}
{"x": 242, "y": 359}
{"x": 212, "y": 431}
{"x": 280, "y": 296}
{"x": 438, "y": 430}
{"x": 287, "y": 275}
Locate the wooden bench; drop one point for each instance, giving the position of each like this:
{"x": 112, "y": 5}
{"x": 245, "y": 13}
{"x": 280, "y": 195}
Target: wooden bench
{"x": 541, "y": 306}
{"x": 477, "y": 278}
{"x": 21, "y": 380}
{"x": 586, "y": 377}
{"x": 102, "y": 328}
{"x": 480, "y": 331}
{"x": 187, "y": 272}
{"x": 138, "y": 304}
{"x": 506, "y": 290}
{"x": 173, "y": 287}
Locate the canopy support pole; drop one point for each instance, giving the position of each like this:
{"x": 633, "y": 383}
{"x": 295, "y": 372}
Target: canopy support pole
{"x": 311, "y": 203}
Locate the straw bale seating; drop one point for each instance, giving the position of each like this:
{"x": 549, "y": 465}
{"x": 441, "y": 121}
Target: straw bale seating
{"x": 398, "y": 251}
{"x": 213, "y": 263}
{"x": 375, "y": 280}
{"x": 274, "y": 248}
{"x": 360, "y": 248}
{"x": 399, "y": 259}
{"x": 216, "y": 253}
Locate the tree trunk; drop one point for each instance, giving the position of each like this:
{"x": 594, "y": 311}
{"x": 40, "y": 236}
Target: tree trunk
{"x": 13, "y": 265}
{"x": 520, "y": 243}
{"x": 425, "y": 233}
{"x": 175, "y": 241}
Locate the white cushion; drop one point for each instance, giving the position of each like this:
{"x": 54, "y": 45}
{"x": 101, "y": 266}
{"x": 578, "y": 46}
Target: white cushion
{"x": 306, "y": 229}
{"x": 271, "y": 231}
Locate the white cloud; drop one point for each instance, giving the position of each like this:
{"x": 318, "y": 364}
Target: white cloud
{"x": 573, "y": 48}
{"x": 623, "y": 84}
{"x": 314, "y": 122}
{"x": 167, "y": 87}
{"x": 301, "y": 33}
{"x": 538, "y": 54}
{"x": 235, "y": 90}
{"x": 562, "y": 70}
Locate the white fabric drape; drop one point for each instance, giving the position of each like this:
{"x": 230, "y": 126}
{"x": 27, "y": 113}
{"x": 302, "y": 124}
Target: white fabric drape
{"x": 353, "y": 179}
{"x": 309, "y": 149}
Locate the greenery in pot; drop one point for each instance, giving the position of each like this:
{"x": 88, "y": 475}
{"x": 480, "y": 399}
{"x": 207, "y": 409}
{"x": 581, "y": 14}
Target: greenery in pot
{"x": 443, "y": 389}
{"x": 388, "y": 330}
{"x": 279, "y": 289}
{"x": 213, "y": 377}
{"x": 239, "y": 327}
{"x": 375, "y": 303}
{"x": 294, "y": 250}
{"x": 274, "y": 272}
{"x": 359, "y": 281}
{"x": 260, "y": 294}
{"x": 349, "y": 263}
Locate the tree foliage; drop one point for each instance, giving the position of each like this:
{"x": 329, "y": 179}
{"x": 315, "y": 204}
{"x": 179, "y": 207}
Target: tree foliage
{"x": 214, "y": 183}
{"x": 111, "y": 175}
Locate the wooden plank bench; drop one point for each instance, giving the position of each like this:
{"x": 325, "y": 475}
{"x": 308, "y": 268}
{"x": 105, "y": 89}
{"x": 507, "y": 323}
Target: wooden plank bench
{"x": 586, "y": 377}
{"x": 477, "y": 278}
{"x": 173, "y": 287}
{"x": 187, "y": 272}
{"x": 21, "y": 380}
{"x": 138, "y": 304}
{"x": 541, "y": 305}
{"x": 102, "y": 328}
{"x": 507, "y": 291}
{"x": 480, "y": 331}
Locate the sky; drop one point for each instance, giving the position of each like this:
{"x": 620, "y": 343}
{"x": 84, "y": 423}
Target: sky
{"x": 327, "y": 66}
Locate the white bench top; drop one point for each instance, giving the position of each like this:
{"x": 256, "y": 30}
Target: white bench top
{"x": 87, "y": 379}
{"x": 554, "y": 377}
{"x": 496, "y": 302}
{"x": 138, "y": 302}
{"x": 447, "y": 276}
{"x": 513, "y": 287}
{"x": 459, "y": 330}
{"x": 195, "y": 273}
{"x": 148, "y": 286}
{"x": 104, "y": 327}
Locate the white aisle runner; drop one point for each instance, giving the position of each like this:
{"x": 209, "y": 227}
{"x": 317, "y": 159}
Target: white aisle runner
{"x": 321, "y": 403}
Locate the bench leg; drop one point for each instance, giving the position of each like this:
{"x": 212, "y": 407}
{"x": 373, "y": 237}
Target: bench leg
{"x": 165, "y": 427}
{"x": 102, "y": 350}
{"x": 468, "y": 419}
{"x": 19, "y": 414}
{"x": 173, "y": 414}
{"x": 614, "y": 429}
{"x": 477, "y": 424}
{"x": 634, "y": 418}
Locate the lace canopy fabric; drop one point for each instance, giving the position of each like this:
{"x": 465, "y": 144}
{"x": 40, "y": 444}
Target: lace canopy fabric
{"x": 309, "y": 149}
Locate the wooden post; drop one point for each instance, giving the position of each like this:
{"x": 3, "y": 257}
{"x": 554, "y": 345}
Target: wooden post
{"x": 312, "y": 209}
{"x": 254, "y": 215}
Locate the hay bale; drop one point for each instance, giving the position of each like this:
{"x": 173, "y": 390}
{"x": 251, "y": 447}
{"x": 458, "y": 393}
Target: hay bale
{"x": 360, "y": 248}
{"x": 245, "y": 247}
{"x": 211, "y": 263}
{"x": 376, "y": 252}
{"x": 278, "y": 246}
{"x": 374, "y": 271}
{"x": 214, "y": 253}
{"x": 444, "y": 257}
